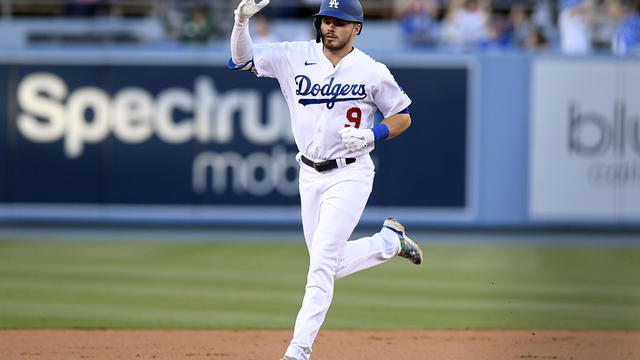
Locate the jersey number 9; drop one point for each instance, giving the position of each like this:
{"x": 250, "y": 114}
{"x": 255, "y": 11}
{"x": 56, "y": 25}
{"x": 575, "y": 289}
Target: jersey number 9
{"x": 354, "y": 115}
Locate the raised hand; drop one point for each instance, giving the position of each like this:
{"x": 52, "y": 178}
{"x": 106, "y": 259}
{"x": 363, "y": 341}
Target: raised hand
{"x": 248, "y": 8}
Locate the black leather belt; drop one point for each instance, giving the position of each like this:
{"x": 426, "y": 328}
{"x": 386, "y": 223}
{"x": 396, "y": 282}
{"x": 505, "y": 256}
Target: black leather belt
{"x": 326, "y": 165}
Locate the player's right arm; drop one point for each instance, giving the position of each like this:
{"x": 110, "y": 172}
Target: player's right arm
{"x": 241, "y": 43}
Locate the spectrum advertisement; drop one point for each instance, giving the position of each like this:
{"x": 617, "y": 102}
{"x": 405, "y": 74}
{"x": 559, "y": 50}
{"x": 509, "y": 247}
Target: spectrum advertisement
{"x": 197, "y": 135}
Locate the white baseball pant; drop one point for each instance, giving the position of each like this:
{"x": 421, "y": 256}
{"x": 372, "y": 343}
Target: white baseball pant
{"x": 332, "y": 203}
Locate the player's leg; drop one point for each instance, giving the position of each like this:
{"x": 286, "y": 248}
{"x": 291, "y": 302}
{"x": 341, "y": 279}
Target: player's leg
{"x": 371, "y": 251}
{"x": 368, "y": 252}
{"x": 310, "y": 191}
{"x": 341, "y": 205}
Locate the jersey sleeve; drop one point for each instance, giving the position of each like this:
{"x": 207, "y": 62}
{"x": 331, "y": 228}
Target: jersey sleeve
{"x": 270, "y": 60}
{"x": 388, "y": 95}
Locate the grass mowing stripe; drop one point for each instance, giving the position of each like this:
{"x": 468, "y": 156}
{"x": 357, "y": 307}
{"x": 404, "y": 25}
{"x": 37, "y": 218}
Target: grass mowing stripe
{"x": 586, "y": 310}
{"x": 594, "y": 274}
{"x": 20, "y": 290}
{"x": 175, "y": 252}
{"x": 547, "y": 294}
{"x": 144, "y": 314}
{"x": 271, "y": 297}
{"x": 147, "y": 274}
{"x": 267, "y": 290}
{"x": 114, "y": 294}
{"x": 531, "y": 287}
{"x": 462, "y": 269}
{"x": 188, "y": 285}
{"x": 128, "y": 316}
{"x": 567, "y": 263}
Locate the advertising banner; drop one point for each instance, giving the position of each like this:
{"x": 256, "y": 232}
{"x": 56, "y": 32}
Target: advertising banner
{"x": 195, "y": 135}
{"x": 4, "y": 150}
{"x": 585, "y": 140}
{"x": 149, "y": 135}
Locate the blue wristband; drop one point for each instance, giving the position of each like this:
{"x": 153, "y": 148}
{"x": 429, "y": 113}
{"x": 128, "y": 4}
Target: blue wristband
{"x": 380, "y": 132}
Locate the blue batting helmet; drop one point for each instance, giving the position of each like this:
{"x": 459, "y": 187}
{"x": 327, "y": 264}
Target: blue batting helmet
{"x": 349, "y": 10}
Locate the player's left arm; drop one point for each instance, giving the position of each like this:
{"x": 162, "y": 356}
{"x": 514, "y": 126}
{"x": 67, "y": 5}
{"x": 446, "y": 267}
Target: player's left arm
{"x": 392, "y": 101}
{"x": 357, "y": 139}
{"x": 397, "y": 123}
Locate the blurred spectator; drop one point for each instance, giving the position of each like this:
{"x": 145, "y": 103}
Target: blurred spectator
{"x": 536, "y": 40}
{"x": 519, "y": 25}
{"x": 466, "y": 24}
{"x": 606, "y": 18}
{"x": 542, "y": 17}
{"x": 499, "y": 36}
{"x": 199, "y": 28}
{"x": 262, "y": 33}
{"x": 575, "y": 37}
{"x": 628, "y": 35}
{"x": 173, "y": 20}
{"x": 419, "y": 23}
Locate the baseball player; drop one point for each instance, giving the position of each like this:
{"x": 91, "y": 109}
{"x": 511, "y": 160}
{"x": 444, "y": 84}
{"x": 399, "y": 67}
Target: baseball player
{"x": 332, "y": 90}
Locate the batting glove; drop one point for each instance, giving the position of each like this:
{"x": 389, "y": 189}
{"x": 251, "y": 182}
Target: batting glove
{"x": 357, "y": 139}
{"x": 248, "y": 8}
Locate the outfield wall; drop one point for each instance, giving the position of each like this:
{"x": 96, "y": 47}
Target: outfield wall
{"x": 154, "y": 137}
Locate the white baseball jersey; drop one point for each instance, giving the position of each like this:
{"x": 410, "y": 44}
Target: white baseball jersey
{"x": 323, "y": 99}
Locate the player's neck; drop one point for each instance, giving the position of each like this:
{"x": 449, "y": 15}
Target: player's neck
{"x": 335, "y": 56}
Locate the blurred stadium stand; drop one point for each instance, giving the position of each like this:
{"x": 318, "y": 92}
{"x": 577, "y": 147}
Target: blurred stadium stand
{"x": 413, "y": 25}
{"x": 154, "y": 21}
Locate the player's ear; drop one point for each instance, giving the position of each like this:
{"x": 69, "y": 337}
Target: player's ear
{"x": 356, "y": 28}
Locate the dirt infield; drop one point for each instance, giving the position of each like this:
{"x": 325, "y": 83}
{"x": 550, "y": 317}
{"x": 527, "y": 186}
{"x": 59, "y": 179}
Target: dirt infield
{"x": 330, "y": 345}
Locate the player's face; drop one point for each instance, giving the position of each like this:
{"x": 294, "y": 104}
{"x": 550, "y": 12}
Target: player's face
{"x": 337, "y": 33}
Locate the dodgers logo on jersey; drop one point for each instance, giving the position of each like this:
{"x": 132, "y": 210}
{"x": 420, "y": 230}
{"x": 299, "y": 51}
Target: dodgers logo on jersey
{"x": 338, "y": 92}
{"x": 334, "y": 3}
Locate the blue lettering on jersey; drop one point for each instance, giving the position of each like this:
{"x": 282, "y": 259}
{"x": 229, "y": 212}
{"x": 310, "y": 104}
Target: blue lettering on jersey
{"x": 338, "y": 92}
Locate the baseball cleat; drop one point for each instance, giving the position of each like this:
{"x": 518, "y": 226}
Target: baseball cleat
{"x": 287, "y": 358}
{"x": 409, "y": 248}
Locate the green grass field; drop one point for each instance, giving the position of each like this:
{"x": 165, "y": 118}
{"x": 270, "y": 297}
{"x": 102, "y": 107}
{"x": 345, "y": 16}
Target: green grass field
{"x": 141, "y": 284}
